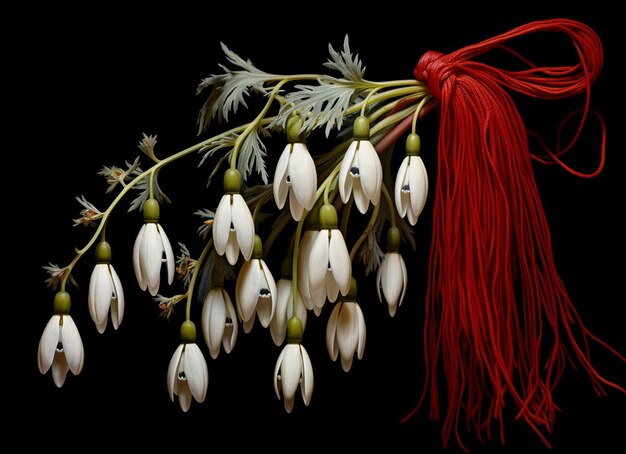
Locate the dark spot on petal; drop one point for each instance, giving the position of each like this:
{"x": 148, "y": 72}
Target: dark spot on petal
{"x": 354, "y": 171}
{"x": 232, "y": 227}
{"x": 265, "y": 292}
{"x": 182, "y": 376}
{"x": 59, "y": 347}
{"x": 406, "y": 188}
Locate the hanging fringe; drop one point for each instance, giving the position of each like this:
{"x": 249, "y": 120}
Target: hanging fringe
{"x": 499, "y": 323}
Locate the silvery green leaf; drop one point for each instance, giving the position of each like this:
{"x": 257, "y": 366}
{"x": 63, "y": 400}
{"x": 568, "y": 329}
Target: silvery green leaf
{"x": 144, "y": 187}
{"x": 229, "y": 89}
{"x": 348, "y": 65}
{"x": 318, "y": 105}
{"x": 252, "y": 155}
{"x": 205, "y": 215}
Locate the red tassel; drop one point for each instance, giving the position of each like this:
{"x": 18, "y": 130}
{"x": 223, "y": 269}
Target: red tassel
{"x": 499, "y": 322}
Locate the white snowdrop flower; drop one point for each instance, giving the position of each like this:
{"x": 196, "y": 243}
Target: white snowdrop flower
{"x": 152, "y": 249}
{"x": 345, "y": 332}
{"x": 361, "y": 172}
{"x": 219, "y": 319}
{"x": 60, "y": 346}
{"x": 105, "y": 290}
{"x": 255, "y": 290}
{"x": 411, "y": 187}
{"x": 295, "y": 176}
{"x": 293, "y": 368}
{"x": 391, "y": 276}
{"x": 314, "y": 298}
{"x": 329, "y": 263}
{"x": 187, "y": 374}
{"x": 233, "y": 227}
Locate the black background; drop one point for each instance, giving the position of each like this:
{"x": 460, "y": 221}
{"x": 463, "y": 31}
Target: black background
{"x": 89, "y": 83}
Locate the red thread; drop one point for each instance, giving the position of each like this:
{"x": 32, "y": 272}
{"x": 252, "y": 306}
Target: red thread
{"x": 499, "y": 322}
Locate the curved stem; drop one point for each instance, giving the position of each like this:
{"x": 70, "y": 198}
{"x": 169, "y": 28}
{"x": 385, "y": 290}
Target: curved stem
{"x": 196, "y": 271}
{"x": 368, "y": 229}
{"x": 390, "y": 204}
{"x": 294, "y": 267}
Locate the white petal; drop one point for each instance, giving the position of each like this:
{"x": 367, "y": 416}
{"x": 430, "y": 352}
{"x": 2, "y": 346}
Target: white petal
{"x": 379, "y": 274}
{"x": 277, "y": 383}
{"x": 118, "y": 303}
{"x": 300, "y": 309}
{"x": 360, "y": 199}
{"x": 318, "y": 261}
{"x": 59, "y": 369}
{"x": 317, "y": 311}
{"x": 289, "y": 404}
{"x": 331, "y": 332}
{"x": 280, "y": 187}
{"x": 103, "y": 292}
{"x": 392, "y": 281}
{"x": 303, "y": 176}
{"x": 306, "y": 244}
{"x": 278, "y": 326}
{"x": 306, "y": 387}
{"x": 346, "y": 363}
{"x": 170, "y": 260}
{"x": 196, "y": 371}
{"x": 332, "y": 289}
{"x": 401, "y": 206}
{"x": 172, "y": 372}
{"x": 72, "y": 345}
{"x": 232, "y": 248}
{"x": 151, "y": 256}
{"x": 48, "y": 344}
{"x": 230, "y": 332}
{"x": 347, "y": 332}
{"x": 318, "y": 294}
{"x": 91, "y": 295}
{"x": 139, "y": 274}
{"x": 249, "y": 324}
{"x": 213, "y": 320}
{"x": 247, "y": 289}
{"x": 369, "y": 166}
{"x": 266, "y": 305}
{"x": 184, "y": 395}
{"x": 296, "y": 209}
{"x": 291, "y": 370}
{"x": 339, "y": 258}
{"x": 360, "y": 348}
{"x": 418, "y": 182}
{"x": 345, "y": 179}
{"x": 244, "y": 226}
{"x": 221, "y": 224}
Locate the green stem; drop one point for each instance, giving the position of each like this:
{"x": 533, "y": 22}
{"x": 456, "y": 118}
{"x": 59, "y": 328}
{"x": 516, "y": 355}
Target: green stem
{"x": 192, "y": 282}
{"x": 418, "y": 110}
{"x": 390, "y": 204}
{"x": 368, "y": 228}
{"x": 294, "y": 267}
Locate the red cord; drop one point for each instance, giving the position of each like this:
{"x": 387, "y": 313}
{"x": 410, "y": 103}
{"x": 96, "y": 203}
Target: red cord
{"x": 499, "y": 322}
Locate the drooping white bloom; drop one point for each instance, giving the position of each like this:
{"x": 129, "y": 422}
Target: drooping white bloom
{"x": 284, "y": 310}
{"x": 152, "y": 248}
{"x": 295, "y": 175}
{"x": 345, "y": 333}
{"x": 255, "y": 291}
{"x": 411, "y": 187}
{"x": 293, "y": 369}
{"x": 219, "y": 321}
{"x": 361, "y": 174}
{"x": 187, "y": 375}
{"x": 60, "y": 348}
{"x": 329, "y": 264}
{"x": 105, "y": 293}
{"x": 314, "y": 297}
{"x": 233, "y": 228}
{"x": 391, "y": 278}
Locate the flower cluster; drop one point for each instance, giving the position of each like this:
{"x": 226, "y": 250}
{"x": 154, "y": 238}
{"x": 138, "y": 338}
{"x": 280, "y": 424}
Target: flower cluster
{"x": 325, "y": 241}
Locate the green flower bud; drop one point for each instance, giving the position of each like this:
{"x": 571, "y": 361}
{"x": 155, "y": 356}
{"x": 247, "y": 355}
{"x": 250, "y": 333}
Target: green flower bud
{"x": 393, "y": 239}
{"x": 188, "y": 332}
{"x": 62, "y": 303}
{"x": 294, "y": 330}
{"x": 257, "y": 252}
{"x": 294, "y": 126}
{"x": 232, "y": 181}
{"x": 328, "y": 217}
{"x": 151, "y": 211}
{"x": 361, "y": 128}
{"x": 103, "y": 252}
{"x": 413, "y": 145}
